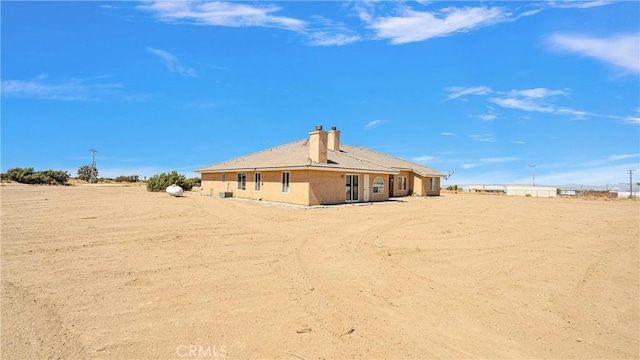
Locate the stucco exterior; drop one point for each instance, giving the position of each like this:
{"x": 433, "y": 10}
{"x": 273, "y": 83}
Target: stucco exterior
{"x": 320, "y": 171}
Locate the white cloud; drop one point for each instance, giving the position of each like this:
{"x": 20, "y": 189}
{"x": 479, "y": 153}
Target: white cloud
{"x": 468, "y": 166}
{"x": 90, "y": 89}
{"x": 521, "y": 104}
{"x": 488, "y": 117}
{"x": 482, "y": 138}
{"x": 494, "y": 160}
{"x": 373, "y": 124}
{"x": 413, "y": 25}
{"x": 622, "y": 156}
{"x": 573, "y": 4}
{"x": 447, "y": 134}
{"x": 324, "y": 38}
{"x": 172, "y": 62}
{"x": 622, "y": 51}
{"x": 458, "y": 91}
{"x": 538, "y": 93}
{"x": 424, "y": 159}
{"x": 519, "y": 142}
{"x": 221, "y": 14}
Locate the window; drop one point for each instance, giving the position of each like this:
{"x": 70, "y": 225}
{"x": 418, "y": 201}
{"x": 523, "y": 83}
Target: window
{"x": 351, "y": 182}
{"x": 432, "y": 184}
{"x": 224, "y": 178}
{"x": 285, "y": 181}
{"x": 257, "y": 178}
{"x": 242, "y": 181}
{"x": 402, "y": 183}
{"x": 378, "y": 185}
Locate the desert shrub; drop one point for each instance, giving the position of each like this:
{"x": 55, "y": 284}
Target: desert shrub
{"x": 160, "y": 182}
{"x": 123, "y": 178}
{"x": 87, "y": 173}
{"x": 29, "y": 176}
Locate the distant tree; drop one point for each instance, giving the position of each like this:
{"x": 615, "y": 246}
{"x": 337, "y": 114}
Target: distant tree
{"x": 131, "y": 178}
{"x": 88, "y": 173}
{"x": 161, "y": 182}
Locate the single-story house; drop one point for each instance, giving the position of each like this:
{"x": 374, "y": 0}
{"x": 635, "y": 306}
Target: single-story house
{"x": 319, "y": 170}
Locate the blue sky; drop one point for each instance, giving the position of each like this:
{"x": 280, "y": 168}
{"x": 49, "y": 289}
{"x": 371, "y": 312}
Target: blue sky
{"x": 482, "y": 89}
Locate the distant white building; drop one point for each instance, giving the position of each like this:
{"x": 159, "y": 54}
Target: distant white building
{"x": 485, "y": 188}
{"x": 535, "y": 191}
{"x": 625, "y": 194}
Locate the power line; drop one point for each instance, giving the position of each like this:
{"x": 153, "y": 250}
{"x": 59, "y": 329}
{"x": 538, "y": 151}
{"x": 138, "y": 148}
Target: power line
{"x": 93, "y": 165}
{"x": 630, "y": 183}
{"x": 533, "y": 174}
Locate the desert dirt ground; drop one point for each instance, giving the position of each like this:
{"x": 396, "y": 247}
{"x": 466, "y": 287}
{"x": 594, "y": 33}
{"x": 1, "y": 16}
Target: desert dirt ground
{"x": 117, "y": 272}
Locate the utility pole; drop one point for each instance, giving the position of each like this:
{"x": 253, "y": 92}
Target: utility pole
{"x": 533, "y": 174}
{"x": 630, "y": 183}
{"x": 93, "y": 165}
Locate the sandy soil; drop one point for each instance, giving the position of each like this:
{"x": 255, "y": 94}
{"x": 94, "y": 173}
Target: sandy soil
{"x": 117, "y": 272}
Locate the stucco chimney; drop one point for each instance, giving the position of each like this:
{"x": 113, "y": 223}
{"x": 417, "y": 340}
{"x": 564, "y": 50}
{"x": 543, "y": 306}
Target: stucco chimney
{"x": 334, "y": 139}
{"x": 318, "y": 145}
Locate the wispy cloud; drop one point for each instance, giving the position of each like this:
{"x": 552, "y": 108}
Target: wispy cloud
{"x": 488, "y": 117}
{"x": 221, "y": 14}
{"x": 412, "y": 25}
{"x": 494, "y": 160}
{"x": 172, "y": 62}
{"x": 88, "y": 89}
{"x": 519, "y": 142}
{"x": 447, "y": 134}
{"x": 424, "y": 159}
{"x": 373, "y": 124}
{"x": 327, "y": 32}
{"x": 457, "y": 91}
{"x": 469, "y": 166}
{"x": 621, "y": 51}
{"x": 326, "y": 38}
{"x": 576, "y": 4}
{"x": 539, "y": 100}
{"x": 622, "y": 156}
{"x": 483, "y": 138}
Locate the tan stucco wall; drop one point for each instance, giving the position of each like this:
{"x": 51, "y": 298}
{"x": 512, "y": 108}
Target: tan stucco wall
{"x": 270, "y": 189}
{"x": 396, "y": 184}
{"x": 421, "y": 186}
{"x": 307, "y": 187}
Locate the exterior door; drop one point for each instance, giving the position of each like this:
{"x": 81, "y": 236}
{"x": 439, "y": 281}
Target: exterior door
{"x": 366, "y": 188}
{"x": 390, "y": 185}
{"x": 351, "y": 188}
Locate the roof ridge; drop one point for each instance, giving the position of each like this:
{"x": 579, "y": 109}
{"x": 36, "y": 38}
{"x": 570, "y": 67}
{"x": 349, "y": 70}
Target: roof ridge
{"x": 391, "y": 156}
{"x": 362, "y": 159}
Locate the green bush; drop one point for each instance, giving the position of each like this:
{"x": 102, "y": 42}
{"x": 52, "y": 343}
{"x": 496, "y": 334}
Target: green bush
{"x": 29, "y": 176}
{"x": 132, "y": 178}
{"x": 162, "y": 181}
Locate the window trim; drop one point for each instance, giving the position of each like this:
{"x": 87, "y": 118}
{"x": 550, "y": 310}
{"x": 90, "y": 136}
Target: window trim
{"x": 378, "y": 189}
{"x": 352, "y": 187}
{"x": 257, "y": 180}
{"x": 285, "y": 182}
{"x": 242, "y": 181}
{"x": 402, "y": 183}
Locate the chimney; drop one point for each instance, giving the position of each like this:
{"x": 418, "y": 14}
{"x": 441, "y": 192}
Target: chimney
{"x": 334, "y": 139}
{"x": 318, "y": 145}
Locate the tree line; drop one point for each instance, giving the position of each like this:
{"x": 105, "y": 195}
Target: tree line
{"x": 88, "y": 173}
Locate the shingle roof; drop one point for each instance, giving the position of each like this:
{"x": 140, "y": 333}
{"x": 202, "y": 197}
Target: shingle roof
{"x": 296, "y": 155}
